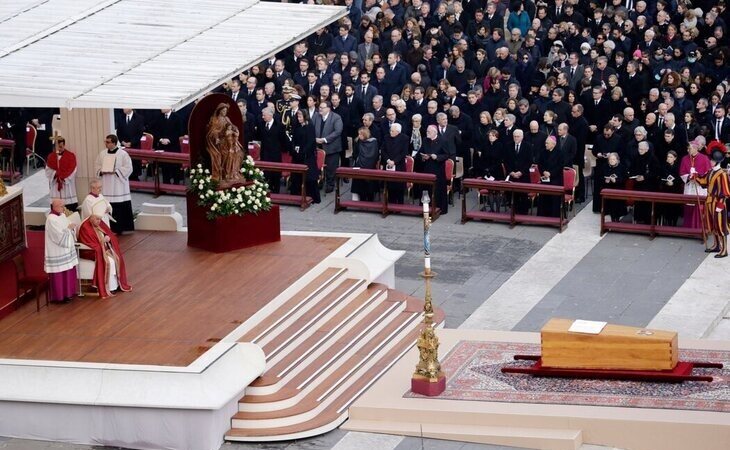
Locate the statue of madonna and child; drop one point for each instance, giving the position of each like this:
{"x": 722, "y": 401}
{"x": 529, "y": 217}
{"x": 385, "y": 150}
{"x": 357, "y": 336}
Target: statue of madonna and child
{"x": 226, "y": 152}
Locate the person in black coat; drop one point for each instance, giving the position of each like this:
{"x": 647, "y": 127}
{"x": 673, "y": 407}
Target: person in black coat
{"x": 550, "y": 163}
{"x": 449, "y": 134}
{"x": 393, "y": 157}
{"x": 130, "y": 128}
{"x": 670, "y": 182}
{"x": 597, "y": 110}
{"x": 273, "y": 142}
{"x": 167, "y": 131}
{"x": 644, "y": 174}
{"x": 303, "y": 151}
{"x": 489, "y": 157}
{"x": 466, "y": 129}
{"x": 249, "y": 123}
{"x": 433, "y": 155}
{"x": 368, "y": 157}
{"x": 614, "y": 177}
{"x": 578, "y": 128}
{"x": 606, "y": 144}
{"x": 567, "y": 145}
{"x": 517, "y": 160}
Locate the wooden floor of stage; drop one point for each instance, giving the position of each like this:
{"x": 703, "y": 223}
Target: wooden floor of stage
{"x": 183, "y": 301}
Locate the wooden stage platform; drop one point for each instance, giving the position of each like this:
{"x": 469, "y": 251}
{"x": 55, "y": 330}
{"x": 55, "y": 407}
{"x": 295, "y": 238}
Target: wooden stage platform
{"x": 183, "y": 301}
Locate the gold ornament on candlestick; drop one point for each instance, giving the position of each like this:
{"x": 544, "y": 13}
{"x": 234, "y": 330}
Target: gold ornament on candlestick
{"x": 428, "y": 379}
{"x": 3, "y": 190}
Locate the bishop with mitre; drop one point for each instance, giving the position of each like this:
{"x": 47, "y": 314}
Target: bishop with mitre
{"x": 110, "y": 272}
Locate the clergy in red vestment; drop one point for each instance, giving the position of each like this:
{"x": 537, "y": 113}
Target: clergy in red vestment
{"x": 693, "y": 166}
{"x": 61, "y": 173}
{"x": 109, "y": 273}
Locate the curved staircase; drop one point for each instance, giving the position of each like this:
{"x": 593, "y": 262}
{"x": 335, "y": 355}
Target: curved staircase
{"x": 324, "y": 347}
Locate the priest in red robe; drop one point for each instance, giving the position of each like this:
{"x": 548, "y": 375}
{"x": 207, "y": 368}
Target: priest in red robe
{"x": 61, "y": 173}
{"x": 110, "y": 272}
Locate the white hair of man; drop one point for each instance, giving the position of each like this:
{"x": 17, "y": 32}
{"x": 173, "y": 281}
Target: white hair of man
{"x": 416, "y": 117}
{"x": 397, "y": 127}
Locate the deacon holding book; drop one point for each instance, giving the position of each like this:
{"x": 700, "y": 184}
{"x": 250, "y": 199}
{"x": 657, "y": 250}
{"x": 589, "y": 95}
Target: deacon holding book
{"x": 114, "y": 166}
{"x": 60, "y": 254}
{"x": 61, "y": 173}
{"x": 94, "y": 198}
{"x": 110, "y": 272}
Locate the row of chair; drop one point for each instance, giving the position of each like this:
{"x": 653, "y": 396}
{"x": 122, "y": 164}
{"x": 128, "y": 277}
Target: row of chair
{"x": 570, "y": 182}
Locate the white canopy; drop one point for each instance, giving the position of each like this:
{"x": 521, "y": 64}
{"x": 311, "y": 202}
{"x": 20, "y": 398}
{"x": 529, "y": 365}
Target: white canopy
{"x": 139, "y": 53}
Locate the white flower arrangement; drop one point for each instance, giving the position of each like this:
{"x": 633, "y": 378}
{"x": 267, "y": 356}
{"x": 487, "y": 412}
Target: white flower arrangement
{"x": 234, "y": 201}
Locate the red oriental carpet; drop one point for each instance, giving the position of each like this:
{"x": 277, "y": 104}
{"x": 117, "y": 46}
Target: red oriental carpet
{"x": 473, "y": 371}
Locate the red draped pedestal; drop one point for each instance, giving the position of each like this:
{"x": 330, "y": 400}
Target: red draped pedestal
{"x": 225, "y": 234}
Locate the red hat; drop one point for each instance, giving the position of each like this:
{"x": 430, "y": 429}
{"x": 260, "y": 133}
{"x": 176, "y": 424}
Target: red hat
{"x": 715, "y": 145}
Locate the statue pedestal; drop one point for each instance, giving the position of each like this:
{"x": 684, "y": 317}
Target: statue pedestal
{"x": 226, "y": 234}
{"x": 425, "y": 386}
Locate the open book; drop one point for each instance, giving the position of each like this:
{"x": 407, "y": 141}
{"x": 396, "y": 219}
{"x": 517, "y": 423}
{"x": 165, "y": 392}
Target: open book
{"x": 108, "y": 163}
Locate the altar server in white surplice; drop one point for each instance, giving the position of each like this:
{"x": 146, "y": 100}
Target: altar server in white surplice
{"x": 93, "y": 199}
{"x": 114, "y": 166}
{"x": 60, "y": 254}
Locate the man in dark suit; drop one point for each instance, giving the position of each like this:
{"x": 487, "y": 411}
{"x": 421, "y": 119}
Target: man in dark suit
{"x": 312, "y": 86}
{"x": 721, "y": 125}
{"x": 574, "y": 71}
{"x": 300, "y": 76}
{"x": 236, "y": 93}
{"x": 273, "y": 142}
{"x": 328, "y": 131}
{"x": 354, "y": 104}
{"x": 344, "y": 43}
{"x": 597, "y": 111}
{"x": 559, "y": 106}
{"x": 418, "y": 104}
{"x": 395, "y": 78}
{"x": 449, "y": 134}
{"x": 517, "y": 160}
{"x": 130, "y": 128}
{"x": 258, "y": 103}
{"x": 396, "y": 44}
{"x": 337, "y": 86}
{"x": 341, "y": 109}
{"x": 633, "y": 84}
{"x": 280, "y": 72}
{"x": 579, "y": 129}
{"x": 567, "y": 145}
{"x": 365, "y": 92}
{"x": 167, "y": 131}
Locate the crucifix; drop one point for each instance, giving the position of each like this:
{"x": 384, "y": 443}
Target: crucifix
{"x": 55, "y": 138}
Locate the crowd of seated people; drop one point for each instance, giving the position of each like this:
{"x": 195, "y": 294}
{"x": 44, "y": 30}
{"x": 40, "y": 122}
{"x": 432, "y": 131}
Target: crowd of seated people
{"x": 508, "y": 87}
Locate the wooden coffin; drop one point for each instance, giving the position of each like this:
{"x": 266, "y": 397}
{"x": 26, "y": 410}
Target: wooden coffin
{"x": 615, "y": 347}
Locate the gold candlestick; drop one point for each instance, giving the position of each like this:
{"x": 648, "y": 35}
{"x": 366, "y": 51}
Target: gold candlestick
{"x": 428, "y": 379}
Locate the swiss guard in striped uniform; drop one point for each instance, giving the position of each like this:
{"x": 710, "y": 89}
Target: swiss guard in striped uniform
{"x": 718, "y": 191}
